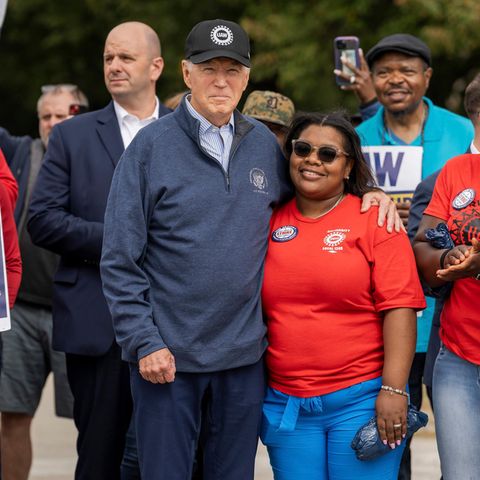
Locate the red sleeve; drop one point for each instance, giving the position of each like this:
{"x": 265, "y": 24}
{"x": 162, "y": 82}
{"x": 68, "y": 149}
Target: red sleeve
{"x": 13, "y": 260}
{"x": 8, "y": 181}
{"x": 394, "y": 274}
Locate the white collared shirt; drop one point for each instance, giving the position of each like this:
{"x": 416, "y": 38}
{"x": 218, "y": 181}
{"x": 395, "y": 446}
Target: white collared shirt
{"x": 129, "y": 124}
{"x": 216, "y": 141}
{"x": 473, "y": 148}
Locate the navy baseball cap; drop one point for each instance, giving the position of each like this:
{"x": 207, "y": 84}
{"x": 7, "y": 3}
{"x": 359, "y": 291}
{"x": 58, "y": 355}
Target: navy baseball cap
{"x": 217, "y": 38}
{"x": 400, "y": 42}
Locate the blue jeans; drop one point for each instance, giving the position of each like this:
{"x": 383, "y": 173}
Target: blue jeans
{"x": 309, "y": 439}
{"x": 456, "y": 398}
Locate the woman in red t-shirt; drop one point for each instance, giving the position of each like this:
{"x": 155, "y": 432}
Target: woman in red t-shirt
{"x": 339, "y": 296}
{"x": 456, "y": 376}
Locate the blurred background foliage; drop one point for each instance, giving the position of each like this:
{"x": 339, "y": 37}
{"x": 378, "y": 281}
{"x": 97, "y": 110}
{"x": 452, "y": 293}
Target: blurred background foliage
{"x": 60, "y": 41}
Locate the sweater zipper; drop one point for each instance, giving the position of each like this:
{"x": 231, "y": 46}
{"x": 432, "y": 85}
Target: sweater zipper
{"x": 227, "y": 173}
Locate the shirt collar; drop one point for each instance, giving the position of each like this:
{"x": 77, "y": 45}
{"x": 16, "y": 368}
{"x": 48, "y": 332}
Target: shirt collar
{"x": 473, "y": 148}
{"x": 121, "y": 113}
{"x": 205, "y": 125}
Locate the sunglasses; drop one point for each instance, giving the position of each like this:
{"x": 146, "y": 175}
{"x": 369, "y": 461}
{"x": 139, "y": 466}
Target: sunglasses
{"x": 69, "y": 87}
{"x": 325, "y": 154}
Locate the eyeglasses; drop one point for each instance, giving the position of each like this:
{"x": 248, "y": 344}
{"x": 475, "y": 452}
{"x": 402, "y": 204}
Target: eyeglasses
{"x": 69, "y": 87}
{"x": 325, "y": 153}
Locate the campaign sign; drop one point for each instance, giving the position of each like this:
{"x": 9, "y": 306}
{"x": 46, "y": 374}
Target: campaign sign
{"x": 397, "y": 169}
{"x": 4, "y": 307}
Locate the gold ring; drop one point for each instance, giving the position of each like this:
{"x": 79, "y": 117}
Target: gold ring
{"x": 397, "y": 425}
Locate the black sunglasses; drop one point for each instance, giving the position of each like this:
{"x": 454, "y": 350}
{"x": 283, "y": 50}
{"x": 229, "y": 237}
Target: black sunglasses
{"x": 325, "y": 153}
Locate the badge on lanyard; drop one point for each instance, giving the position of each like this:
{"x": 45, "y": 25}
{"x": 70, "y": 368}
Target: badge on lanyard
{"x": 463, "y": 199}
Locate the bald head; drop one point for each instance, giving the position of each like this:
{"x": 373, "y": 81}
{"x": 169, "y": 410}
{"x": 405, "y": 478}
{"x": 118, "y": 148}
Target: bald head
{"x": 132, "y": 65}
{"x": 142, "y": 30}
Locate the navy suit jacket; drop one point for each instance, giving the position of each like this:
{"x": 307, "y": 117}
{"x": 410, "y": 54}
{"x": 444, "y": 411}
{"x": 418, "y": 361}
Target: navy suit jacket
{"x": 66, "y": 216}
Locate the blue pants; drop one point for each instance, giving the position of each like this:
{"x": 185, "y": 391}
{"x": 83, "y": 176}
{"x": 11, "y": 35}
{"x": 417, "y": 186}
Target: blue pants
{"x": 221, "y": 411}
{"x": 309, "y": 438}
{"x": 456, "y": 397}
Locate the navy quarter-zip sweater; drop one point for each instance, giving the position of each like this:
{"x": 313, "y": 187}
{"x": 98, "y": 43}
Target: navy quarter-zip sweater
{"x": 184, "y": 243}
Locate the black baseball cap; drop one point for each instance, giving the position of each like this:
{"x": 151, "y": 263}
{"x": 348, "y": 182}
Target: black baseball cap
{"x": 400, "y": 42}
{"x": 217, "y": 38}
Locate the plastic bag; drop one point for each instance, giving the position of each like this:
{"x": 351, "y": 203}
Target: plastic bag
{"x": 367, "y": 443}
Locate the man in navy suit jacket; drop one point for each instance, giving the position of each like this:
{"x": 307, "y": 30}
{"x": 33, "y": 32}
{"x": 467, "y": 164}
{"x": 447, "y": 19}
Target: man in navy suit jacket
{"x": 66, "y": 217}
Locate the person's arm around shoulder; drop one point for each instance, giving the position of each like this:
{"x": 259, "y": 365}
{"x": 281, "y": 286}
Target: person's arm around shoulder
{"x": 125, "y": 283}
{"x": 13, "y": 261}
{"x": 387, "y": 210}
{"x": 51, "y": 224}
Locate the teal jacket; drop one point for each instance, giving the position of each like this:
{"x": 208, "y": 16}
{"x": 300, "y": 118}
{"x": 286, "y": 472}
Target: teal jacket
{"x": 446, "y": 135}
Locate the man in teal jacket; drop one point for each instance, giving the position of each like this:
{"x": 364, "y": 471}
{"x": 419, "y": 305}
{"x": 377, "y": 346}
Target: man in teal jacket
{"x": 401, "y": 71}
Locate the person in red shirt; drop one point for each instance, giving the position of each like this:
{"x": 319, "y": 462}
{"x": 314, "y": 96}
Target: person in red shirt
{"x": 13, "y": 261}
{"x": 456, "y": 392}
{"x": 340, "y": 296}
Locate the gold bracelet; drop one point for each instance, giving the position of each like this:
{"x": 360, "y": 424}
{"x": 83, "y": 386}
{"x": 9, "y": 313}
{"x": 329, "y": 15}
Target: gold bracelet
{"x": 392, "y": 390}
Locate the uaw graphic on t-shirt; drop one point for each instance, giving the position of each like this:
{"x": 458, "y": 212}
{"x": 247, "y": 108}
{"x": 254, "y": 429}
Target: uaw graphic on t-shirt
{"x": 333, "y": 240}
{"x": 397, "y": 169}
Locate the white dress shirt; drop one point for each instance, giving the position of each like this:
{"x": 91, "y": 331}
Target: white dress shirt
{"x": 129, "y": 124}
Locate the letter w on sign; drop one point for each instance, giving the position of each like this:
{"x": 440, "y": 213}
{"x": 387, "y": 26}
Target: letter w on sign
{"x": 397, "y": 169}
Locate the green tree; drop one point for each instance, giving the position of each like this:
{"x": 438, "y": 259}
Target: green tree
{"x": 53, "y": 41}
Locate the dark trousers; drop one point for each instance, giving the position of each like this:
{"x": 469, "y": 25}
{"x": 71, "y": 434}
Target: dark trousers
{"x": 416, "y": 397}
{"x": 102, "y": 411}
{"x": 220, "y": 411}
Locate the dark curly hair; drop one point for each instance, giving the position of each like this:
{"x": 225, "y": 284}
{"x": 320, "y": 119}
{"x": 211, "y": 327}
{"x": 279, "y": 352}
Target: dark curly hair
{"x": 361, "y": 178}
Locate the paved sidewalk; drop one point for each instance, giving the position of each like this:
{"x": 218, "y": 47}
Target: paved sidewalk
{"x": 54, "y": 448}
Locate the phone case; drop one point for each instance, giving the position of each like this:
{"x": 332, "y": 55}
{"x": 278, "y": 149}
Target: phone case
{"x": 347, "y": 47}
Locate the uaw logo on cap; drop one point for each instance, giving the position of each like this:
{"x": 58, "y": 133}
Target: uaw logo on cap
{"x": 221, "y": 35}
{"x": 285, "y": 233}
{"x": 259, "y": 180}
{"x": 463, "y": 199}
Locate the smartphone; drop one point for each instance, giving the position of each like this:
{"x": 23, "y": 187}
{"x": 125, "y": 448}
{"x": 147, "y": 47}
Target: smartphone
{"x": 346, "y": 48}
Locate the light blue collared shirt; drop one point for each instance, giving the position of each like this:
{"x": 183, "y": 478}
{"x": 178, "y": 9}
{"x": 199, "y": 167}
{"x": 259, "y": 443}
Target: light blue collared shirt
{"x": 216, "y": 141}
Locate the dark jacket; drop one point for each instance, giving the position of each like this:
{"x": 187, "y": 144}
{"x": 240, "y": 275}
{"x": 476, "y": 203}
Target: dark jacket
{"x": 66, "y": 217}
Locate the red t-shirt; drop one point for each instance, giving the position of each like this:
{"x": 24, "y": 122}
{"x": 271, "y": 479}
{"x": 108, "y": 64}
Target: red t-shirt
{"x": 13, "y": 261}
{"x": 327, "y": 281}
{"x": 457, "y": 184}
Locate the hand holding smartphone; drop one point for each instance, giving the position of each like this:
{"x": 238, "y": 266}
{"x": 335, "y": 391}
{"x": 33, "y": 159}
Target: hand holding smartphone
{"x": 346, "y": 48}
{"x": 354, "y": 76}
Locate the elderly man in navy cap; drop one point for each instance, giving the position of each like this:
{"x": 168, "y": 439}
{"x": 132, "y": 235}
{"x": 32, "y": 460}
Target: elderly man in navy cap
{"x": 186, "y": 232}
{"x": 185, "y": 239}
{"x": 401, "y": 71}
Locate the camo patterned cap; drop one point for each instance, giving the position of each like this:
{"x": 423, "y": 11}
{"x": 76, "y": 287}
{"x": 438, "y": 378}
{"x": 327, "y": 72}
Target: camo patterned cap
{"x": 269, "y": 107}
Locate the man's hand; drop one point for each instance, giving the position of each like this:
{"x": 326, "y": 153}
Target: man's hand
{"x": 386, "y": 209}
{"x": 363, "y": 85}
{"x": 158, "y": 367}
{"x": 461, "y": 262}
